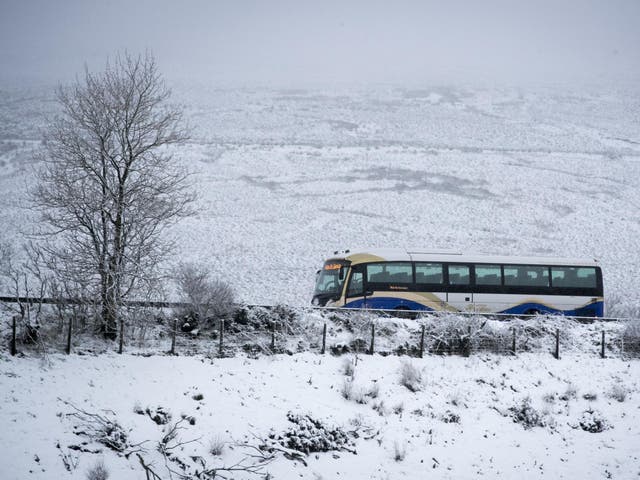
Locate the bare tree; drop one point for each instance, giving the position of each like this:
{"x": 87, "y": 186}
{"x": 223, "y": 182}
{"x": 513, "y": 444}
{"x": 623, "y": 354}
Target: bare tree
{"x": 109, "y": 186}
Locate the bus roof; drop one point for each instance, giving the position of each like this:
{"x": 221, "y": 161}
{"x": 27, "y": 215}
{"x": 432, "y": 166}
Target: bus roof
{"x": 435, "y": 255}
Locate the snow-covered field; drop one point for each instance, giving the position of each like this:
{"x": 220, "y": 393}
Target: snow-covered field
{"x": 288, "y": 176}
{"x": 459, "y": 424}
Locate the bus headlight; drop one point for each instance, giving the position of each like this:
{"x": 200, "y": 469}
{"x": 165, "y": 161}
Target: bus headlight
{"x": 315, "y": 302}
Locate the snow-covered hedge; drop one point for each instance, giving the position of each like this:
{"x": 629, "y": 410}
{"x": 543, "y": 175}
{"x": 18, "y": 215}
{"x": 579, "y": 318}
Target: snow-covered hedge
{"x": 283, "y": 329}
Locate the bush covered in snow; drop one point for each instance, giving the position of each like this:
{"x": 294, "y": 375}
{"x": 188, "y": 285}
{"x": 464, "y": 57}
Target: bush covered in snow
{"x": 308, "y": 435}
{"x": 399, "y": 451}
{"x": 410, "y": 377}
{"x": 348, "y": 367}
{"x": 98, "y": 471}
{"x": 527, "y": 416}
{"x": 631, "y": 337}
{"x": 217, "y": 445}
{"x": 618, "y": 392}
{"x": 450, "y": 417}
{"x": 208, "y": 297}
{"x": 99, "y": 428}
{"x": 159, "y": 415}
{"x": 593, "y": 421}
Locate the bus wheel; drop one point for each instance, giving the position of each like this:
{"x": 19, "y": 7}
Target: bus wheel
{"x": 531, "y": 312}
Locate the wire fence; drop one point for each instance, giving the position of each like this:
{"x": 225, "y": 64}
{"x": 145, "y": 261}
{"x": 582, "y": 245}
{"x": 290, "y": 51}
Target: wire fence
{"x": 257, "y": 330}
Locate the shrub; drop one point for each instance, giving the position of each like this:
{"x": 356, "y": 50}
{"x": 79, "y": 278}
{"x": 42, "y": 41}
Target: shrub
{"x": 350, "y": 392}
{"x": 630, "y": 337}
{"x": 592, "y": 421}
{"x": 346, "y": 390}
{"x": 571, "y": 393}
{"x": 308, "y": 435}
{"x": 618, "y": 392}
{"x": 373, "y": 391}
{"x": 450, "y": 417}
{"x": 98, "y": 471}
{"x": 410, "y": 377}
{"x": 285, "y": 316}
{"x": 99, "y": 428}
{"x": 457, "y": 335}
{"x": 348, "y": 367}
{"x": 216, "y": 446}
{"x": 357, "y": 421}
{"x": 114, "y": 437}
{"x": 188, "y": 418}
{"x": 380, "y": 408}
{"x": 208, "y": 296}
{"x": 456, "y": 399}
{"x": 359, "y": 396}
{"x": 526, "y": 415}
{"x": 619, "y": 306}
{"x": 159, "y": 415}
{"x": 399, "y": 452}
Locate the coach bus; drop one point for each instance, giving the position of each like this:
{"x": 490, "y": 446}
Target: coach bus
{"x": 449, "y": 281}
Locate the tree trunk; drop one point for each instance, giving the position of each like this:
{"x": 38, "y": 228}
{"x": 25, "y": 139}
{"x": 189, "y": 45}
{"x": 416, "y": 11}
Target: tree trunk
{"x": 109, "y": 325}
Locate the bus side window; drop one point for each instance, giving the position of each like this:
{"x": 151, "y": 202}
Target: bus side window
{"x": 574, "y": 277}
{"x": 488, "y": 275}
{"x": 459, "y": 275}
{"x": 429, "y": 274}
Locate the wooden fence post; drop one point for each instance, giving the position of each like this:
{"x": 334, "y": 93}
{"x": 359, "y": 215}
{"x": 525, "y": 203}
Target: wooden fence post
{"x": 221, "y": 345}
{"x": 68, "y": 349}
{"x": 120, "y": 347}
{"x": 173, "y": 336}
{"x": 602, "y": 350}
{"x": 324, "y": 339}
{"x": 373, "y": 338}
{"x": 273, "y": 336}
{"x": 14, "y": 349}
{"x": 422, "y": 341}
{"x": 557, "y": 352}
{"x": 468, "y": 349}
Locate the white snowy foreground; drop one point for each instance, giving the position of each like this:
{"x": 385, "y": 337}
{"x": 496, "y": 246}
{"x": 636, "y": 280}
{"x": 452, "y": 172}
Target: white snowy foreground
{"x": 459, "y": 424}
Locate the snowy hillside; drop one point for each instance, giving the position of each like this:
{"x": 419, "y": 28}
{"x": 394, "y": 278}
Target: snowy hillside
{"x": 486, "y": 416}
{"x": 288, "y": 176}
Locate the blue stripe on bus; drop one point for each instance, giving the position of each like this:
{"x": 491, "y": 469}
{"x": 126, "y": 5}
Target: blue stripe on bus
{"x": 387, "y": 303}
{"x": 595, "y": 309}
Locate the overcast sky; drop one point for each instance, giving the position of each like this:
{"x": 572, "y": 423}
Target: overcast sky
{"x": 300, "y": 42}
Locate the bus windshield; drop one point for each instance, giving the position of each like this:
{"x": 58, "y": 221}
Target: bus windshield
{"x": 328, "y": 281}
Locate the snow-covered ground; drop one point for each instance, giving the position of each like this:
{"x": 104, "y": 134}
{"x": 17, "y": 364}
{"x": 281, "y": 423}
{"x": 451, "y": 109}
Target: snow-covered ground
{"x": 288, "y": 176}
{"x": 459, "y": 424}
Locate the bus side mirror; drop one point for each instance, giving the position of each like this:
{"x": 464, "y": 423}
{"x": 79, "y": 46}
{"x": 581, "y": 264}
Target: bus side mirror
{"x": 341, "y": 274}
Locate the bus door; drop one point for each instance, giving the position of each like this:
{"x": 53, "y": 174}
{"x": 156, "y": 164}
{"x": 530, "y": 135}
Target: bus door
{"x": 355, "y": 293}
{"x": 459, "y": 294}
